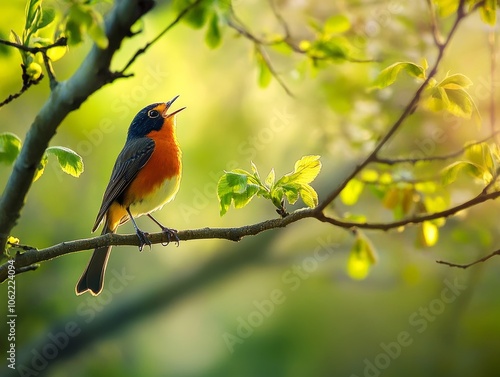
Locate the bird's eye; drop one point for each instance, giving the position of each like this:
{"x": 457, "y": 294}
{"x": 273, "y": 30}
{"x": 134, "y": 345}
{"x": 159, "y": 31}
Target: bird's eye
{"x": 153, "y": 114}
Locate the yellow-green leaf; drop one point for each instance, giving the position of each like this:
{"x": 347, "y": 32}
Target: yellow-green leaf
{"x": 69, "y": 161}
{"x": 337, "y": 24}
{"x": 361, "y": 258}
{"x": 41, "y": 167}
{"x": 455, "y": 81}
{"x": 10, "y": 146}
{"x": 450, "y": 173}
{"x": 306, "y": 169}
{"x": 213, "y": 35}
{"x": 488, "y": 12}
{"x": 351, "y": 192}
{"x": 369, "y": 175}
{"x": 270, "y": 179}
{"x": 308, "y": 195}
{"x": 392, "y": 198}
{"x": 388, "y": 75}
{"x": 264, "y": 73}
{"x": 428, "y": 234}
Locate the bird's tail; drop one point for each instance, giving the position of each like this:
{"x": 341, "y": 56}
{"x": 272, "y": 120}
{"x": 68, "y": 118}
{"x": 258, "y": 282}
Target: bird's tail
{"x": 93, "y": 277}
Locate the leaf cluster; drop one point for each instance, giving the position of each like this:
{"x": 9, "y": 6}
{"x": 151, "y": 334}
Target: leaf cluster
{"x": 69, "y": 161}
{"x": 240, "y": 186}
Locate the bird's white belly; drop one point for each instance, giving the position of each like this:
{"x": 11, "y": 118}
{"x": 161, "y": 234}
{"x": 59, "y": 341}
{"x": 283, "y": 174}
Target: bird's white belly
{"x": 165, "y": 193}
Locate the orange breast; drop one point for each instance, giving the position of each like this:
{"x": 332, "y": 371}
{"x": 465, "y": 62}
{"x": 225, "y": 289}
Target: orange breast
{"x": 164, "y": 164}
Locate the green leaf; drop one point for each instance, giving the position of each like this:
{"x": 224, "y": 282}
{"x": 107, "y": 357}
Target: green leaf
{"x": 435, "y": 203}
{"x": 369, "y": 175}
{"x": 197, "y": 16}
{"x": 69, "y": 161}
{"x": 264, "y": 73}
{"x": 48, "y": 15}
{"x": 41, "y": 167}
{"x": 488, "y": 12}
{"x": 446, "y": 7}
{"x": 336, "y": 48}
{"x": 242, "y": 199}
{"x": 482, "y": 155}
{"x": 388, "y": 75}
{"x": 392, "y": 198}
{"x": 96, "y": 29}
{"x": 98, "y": 35}
{"x": 234, "y": 187}
{"x": 351, "y": 192}
{"x": 291, "y": 192}
{"x": 337, "y": 24}
{"x": 455, "y": 82}
{"x": 309, "y": 195}
{"x": 428, "y": 234}
{"x": 15, "y": 38}
{"x": 305, "y": 171}
{"x": 450, "y": 173}
{"x": 10, "y": 146}
{"x": 270, "y": 179}
{"x": 362, "y": 256}
{"x": 213, "y": 35}
{"x": 78, "y": 21}
{"x": 32, "y": 11}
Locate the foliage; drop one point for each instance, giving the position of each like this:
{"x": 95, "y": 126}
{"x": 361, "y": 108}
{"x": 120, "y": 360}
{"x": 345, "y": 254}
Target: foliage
{"x": 68, "y": 160}
{"x": 240, "y": 186}
{"x": 392, "y": 202}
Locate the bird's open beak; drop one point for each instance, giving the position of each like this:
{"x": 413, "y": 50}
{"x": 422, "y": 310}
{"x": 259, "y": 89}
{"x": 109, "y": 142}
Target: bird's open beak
{"x": 168, "y": 104}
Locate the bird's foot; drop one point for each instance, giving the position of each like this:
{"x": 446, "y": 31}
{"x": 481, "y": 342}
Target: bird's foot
{"x": 143, "y": 239}
{"x": 171, "y": 235}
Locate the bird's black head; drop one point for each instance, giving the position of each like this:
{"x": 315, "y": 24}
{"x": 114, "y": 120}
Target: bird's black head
{"x": 151, "y": 118}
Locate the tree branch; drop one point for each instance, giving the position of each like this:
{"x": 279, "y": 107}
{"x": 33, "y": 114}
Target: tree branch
{"x": 482, "y": 197}
{"x": 464, "y": 266}
{"x": 30, "y": 257}
{"x": 33, "y": 256}
{"x": 66, "y": 97}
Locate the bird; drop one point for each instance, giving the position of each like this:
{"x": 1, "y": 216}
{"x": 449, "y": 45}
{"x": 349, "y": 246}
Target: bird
{"x": 146, "y": 176}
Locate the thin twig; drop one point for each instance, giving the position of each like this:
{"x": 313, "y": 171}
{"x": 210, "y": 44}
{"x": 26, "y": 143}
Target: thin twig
{"x": 50, "y": 72}
{"x": 26, "y": 86}
{"x": 237, "y": 25}
{"x": 464, "y": 266}
{"x": 394, "y": 161}
{"x": 142, "y": 50}
{"x": 60, "y": 42}
{"x": 434, "y": 24}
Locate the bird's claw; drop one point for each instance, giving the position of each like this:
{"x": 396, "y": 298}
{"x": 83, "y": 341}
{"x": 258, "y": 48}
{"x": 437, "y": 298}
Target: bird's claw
{"x": 143, "y": 239}
{"x": 171, "y": 235}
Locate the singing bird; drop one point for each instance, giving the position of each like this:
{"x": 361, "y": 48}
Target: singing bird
{"x": 146, "y": 175}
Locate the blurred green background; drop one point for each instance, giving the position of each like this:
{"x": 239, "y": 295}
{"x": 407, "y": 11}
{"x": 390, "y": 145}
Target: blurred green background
{"x": 281, "y": 303}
